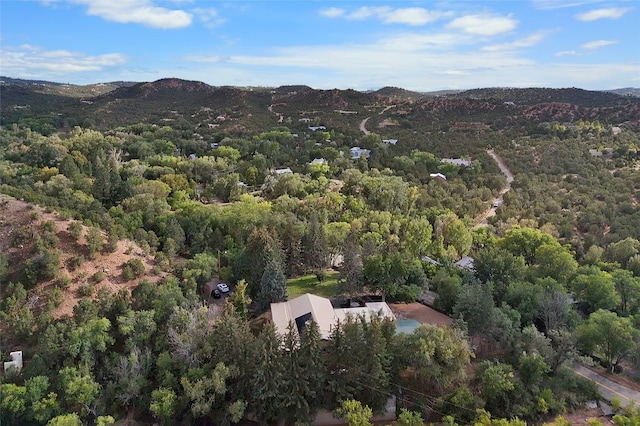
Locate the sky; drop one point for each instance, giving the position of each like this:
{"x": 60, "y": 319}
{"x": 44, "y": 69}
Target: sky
{"x": 361, "y": 45}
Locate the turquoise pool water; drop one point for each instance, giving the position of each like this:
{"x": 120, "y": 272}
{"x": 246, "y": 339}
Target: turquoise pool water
{"x": 406, "y": 326}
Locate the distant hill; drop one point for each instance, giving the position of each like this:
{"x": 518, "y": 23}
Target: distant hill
{"x": 627, "y": 91}
{"x": 398, "y": 93}
{"x": 533, "y": 96}
{"x": 63, "y": 89}
{"x": 194, "y": 105}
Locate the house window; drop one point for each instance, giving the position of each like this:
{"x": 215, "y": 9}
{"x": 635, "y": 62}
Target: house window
{"x": 301, "y": 322}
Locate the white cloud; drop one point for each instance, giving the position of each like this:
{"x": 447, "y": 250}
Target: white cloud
{"x": 567, "y": 53}
{"x": 137, "y": 12}
{"x": 332, "y": 12}
{"x": 609, "y": 13}
{"x": 598, "y": 43}
{"x": 528, "y": 41}
{"x": 209, "y": 17}
{"x": 559, "y": 4}
{"x": 27, "y": 60}
{"x": 413, "y": 16}
{"x": 484, "y": 24}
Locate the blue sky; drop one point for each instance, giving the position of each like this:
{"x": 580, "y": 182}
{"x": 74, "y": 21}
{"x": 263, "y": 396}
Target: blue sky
{"x": 417, "y": 45}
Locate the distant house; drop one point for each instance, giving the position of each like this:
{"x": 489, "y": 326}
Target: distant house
{"x": 318, "y": 161}
{"x": 615, "y": 130}
{"x": 16, "y": 361}
{"x": 357, "y": 152}
{"x": 308, "y": 306}
{"x": 390, "y": 141}
{"x": 457, "y": 161}
{"x": 284, "y": 171}
{"x": 465, "y": 263}
{"x": 509, "y": 103}
{"x": 315, "y": 128}
{"x": 438, "y": 176}
{"x": 430, "y": 260}
{"x": 605, "y": 153}
{"x": 214, "y": 145}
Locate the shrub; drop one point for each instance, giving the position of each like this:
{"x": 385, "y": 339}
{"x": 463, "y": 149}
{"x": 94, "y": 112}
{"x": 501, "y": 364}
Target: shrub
{"x": 112, "y": 243}
{"x": 86, "y": 289}
{"x": 56, "y": 297}
{"x": 75, "y": 229}
{"x": 127, "y": 273}
{"x": 99, "y": 276}
{"x": 95, "y": 241}
{"x": 74, "y": 262}
{"x": 64, "y": 281}
{"x": 137, "y": 267}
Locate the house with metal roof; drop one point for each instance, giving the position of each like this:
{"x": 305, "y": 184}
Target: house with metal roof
{"x": 302, "y": 309}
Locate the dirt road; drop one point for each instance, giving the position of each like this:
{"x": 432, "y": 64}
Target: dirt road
{"x": 363, "y": 126}
{"x": 481, "y": 220}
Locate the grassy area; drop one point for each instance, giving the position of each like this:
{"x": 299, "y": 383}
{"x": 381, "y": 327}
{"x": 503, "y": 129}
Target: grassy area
{"x": 310, "y": 284}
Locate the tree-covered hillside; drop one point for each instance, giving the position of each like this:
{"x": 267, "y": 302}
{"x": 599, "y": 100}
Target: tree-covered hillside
{"x": 181, "y": 185}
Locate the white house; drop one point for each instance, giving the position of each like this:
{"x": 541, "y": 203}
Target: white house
{"x": 465, "y": 263}
{"x": 314, "y": 128}
{"x": 318, "y": 161}
{"x": 284, "y": 171}
{"x": 390, "y": 141}
{"x": 16, "y": 361}
{"x": 357, "y": 152}
{"x": 308, "y": 306}
{"x": 457, "y": 161}
{"x": 438, "y": 176}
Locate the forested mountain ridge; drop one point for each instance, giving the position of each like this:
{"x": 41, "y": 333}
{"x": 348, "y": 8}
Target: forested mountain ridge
{"x": 356, "y": 194}
{"x": 181, "y": 101}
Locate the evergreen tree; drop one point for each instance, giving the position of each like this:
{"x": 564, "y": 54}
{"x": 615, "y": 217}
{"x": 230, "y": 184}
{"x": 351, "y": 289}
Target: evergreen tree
{"x": 273, "y": 285}
{"x": 351, "y": 269}
{"x": 314, "y": 245}
{"x": 267, "y": 379}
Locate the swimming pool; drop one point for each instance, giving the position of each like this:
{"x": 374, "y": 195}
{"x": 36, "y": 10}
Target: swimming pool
{"x": 406, "y": 326}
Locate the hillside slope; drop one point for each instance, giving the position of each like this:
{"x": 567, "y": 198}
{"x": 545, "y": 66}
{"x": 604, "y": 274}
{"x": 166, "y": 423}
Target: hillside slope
{"x": 21, "y": 222}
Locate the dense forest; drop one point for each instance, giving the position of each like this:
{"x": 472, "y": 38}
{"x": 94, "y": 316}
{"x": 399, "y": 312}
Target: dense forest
{"x": 173, "y": 184}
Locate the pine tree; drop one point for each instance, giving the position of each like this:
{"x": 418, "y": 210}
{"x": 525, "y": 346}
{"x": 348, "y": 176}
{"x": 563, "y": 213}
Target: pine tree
{"x": 273, "y": 285}
{"x": 268, "y": 374}
{"x": 314, "y": 245}
{"x": 351, "y": 269}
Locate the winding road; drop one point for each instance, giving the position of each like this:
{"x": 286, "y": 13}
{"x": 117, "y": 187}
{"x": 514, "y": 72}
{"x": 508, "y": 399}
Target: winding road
{"x": 608, "y": 388}
{"x": 363, "y": 126}
{"x": 481, "y": 219}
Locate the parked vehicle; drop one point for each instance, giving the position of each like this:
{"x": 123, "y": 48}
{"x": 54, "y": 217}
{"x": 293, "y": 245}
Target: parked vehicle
{"x": 216, "y": 293}
{"x": 223, "y": 288}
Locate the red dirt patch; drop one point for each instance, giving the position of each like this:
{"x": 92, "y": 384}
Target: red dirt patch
{"x": 16, "y": 214}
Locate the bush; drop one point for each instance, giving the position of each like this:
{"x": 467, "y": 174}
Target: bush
{"x": 75, "y": 229}
{"x": 86, "y": 289}
{"x": 127, "y": 273}
{"x": 64, "y": 281}
{"x": 74, "y": 262}
{"x": 56, "y": 297}
{"x": 137, "y": 267}
{"x": 407, "y": 293}
{"x": 99, "y": 276}
{"x": 112, "y": 243}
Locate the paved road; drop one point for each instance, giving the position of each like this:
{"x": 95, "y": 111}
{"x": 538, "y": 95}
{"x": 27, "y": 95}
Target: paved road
{"x": 609, "y": 389}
